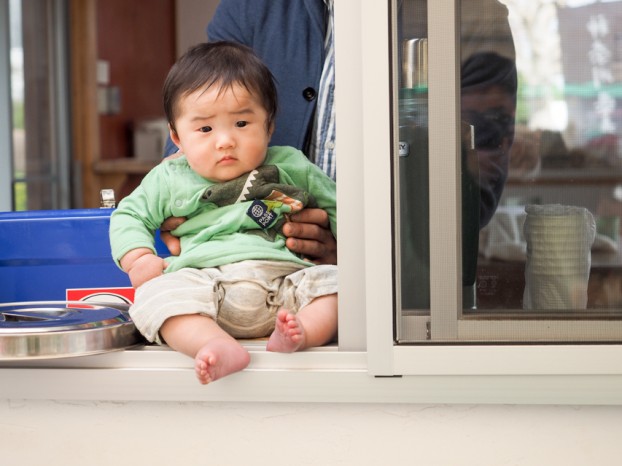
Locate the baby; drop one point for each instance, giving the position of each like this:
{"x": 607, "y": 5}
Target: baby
{"x": 234, "y": 278}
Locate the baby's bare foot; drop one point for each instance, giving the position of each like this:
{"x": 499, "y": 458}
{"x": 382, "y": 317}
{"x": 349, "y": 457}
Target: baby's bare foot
{"x": 288, "y": 335}
{"x": 218, "y": 358}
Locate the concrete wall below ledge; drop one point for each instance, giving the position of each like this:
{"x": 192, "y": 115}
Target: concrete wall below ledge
{"x": 104, "y": 433}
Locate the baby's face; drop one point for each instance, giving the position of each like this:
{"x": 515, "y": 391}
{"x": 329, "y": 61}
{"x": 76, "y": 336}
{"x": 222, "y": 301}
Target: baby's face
{"x": 223, "y": 134}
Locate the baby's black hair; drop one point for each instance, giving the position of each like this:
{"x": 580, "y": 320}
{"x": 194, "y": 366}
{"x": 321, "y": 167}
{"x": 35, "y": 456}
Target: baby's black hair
{"x": 222, "y": 63}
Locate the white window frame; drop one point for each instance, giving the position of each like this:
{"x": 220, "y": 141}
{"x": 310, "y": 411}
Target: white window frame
{"x": 367, "y": 366}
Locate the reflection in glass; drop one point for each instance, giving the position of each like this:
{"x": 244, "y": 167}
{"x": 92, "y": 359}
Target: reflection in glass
{"x": 541, "y": 174}
{"x": 566, "y": 156}
{"x": 412, "y": 165}
{"x": 488, "y": 102}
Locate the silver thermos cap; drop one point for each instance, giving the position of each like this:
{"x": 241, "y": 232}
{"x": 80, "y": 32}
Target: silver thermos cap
{"x": 415, "y": 63}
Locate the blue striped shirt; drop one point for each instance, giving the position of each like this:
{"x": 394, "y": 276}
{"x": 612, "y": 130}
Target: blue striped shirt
{"x": 322, "y": 141}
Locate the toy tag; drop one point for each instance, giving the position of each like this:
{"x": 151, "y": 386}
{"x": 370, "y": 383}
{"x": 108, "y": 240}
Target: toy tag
{"x": 261, "y": 214}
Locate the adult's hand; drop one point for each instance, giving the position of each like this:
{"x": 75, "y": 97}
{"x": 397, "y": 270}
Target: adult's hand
{"x": 308, "y": 234}
{"x": 171, "y": 242}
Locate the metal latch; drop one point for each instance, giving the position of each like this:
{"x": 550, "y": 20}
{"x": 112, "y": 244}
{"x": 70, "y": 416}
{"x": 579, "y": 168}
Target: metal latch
{"x": 106, "y": 199}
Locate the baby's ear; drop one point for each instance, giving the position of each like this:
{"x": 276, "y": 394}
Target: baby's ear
{"x": 174, "y": 136}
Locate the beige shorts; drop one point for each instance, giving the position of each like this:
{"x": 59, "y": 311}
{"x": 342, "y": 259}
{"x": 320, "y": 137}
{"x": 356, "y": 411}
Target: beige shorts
{"x": 243, "y": 298}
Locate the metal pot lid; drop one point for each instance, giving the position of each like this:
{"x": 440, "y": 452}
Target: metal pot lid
{"x": 41, "y": 330}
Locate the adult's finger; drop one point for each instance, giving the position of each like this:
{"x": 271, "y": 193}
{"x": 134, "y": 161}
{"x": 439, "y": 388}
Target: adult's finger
{"x": 171, "y": 242}
{"x": 171, "y": 223}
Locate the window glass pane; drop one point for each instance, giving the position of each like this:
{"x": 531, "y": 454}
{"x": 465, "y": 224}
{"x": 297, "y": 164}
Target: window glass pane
{"x": 412, "y": 160}
{"x": 541, "y": 166}
{"x": 38, "y": 158}
{"x": 488, "y": 81}
{"x": 553, "y": 243}
{"x": 488, "y": 86}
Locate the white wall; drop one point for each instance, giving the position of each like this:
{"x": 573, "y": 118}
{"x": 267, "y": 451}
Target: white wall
{"x": 107, "y": 433}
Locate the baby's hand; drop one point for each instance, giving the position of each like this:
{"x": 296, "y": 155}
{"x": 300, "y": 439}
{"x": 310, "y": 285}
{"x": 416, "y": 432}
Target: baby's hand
{"x": 145, "y": 268}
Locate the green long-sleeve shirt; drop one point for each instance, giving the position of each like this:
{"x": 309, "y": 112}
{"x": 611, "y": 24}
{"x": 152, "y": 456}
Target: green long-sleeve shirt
{"x": 227, "y": 222}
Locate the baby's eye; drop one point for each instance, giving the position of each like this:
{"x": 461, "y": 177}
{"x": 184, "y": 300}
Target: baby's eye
{"x": 205, "y": 129}
{"x": 241, "y": 124}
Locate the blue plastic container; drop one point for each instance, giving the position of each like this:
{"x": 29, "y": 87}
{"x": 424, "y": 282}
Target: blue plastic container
{"x": 45, "y": 253}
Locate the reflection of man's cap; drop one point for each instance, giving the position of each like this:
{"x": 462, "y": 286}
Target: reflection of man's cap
{"x": 489, "y": 68}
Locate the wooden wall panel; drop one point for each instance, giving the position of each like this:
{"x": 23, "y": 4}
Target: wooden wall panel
{"x": 137, "y": 38}
{"x": 85, "y": 125}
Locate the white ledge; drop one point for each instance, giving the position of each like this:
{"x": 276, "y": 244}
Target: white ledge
{"x": 325, "y": 375}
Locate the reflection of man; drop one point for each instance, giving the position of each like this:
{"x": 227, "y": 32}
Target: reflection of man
{"x": 489, "y": 84}
{"x": 488, "y": 103}
{"x": 488, "y": 79}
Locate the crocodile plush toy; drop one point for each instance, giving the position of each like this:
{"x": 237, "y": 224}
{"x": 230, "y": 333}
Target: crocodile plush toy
{"x": 263, "y": 186}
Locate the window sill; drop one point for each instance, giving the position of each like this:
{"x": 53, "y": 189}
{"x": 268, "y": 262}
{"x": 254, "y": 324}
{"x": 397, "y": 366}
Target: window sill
{"x": 328, "y": 375}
